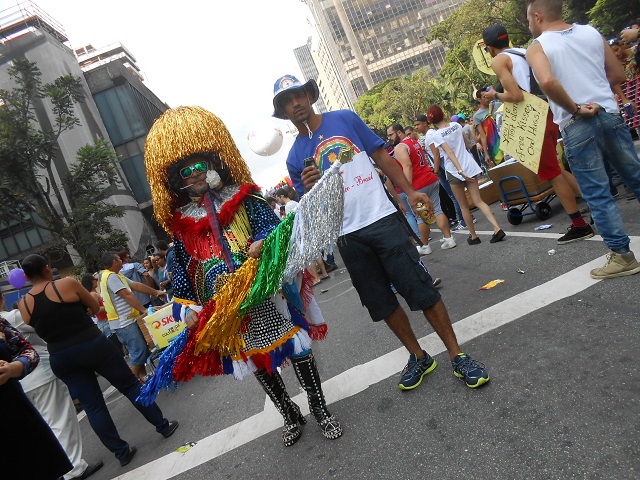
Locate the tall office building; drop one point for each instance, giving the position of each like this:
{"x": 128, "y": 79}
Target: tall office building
{"x": 309, "y": 70}
{"x": 127, "y": 108}
{"x": 28, "y": 32}
{"x": 372, "y": 40}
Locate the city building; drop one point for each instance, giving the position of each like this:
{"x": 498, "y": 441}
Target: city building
{"x": 369, "y": 41}
{"x": 28, "y": 32}
{"x": 309, "y": 70}
{"x": 127, "y": 108}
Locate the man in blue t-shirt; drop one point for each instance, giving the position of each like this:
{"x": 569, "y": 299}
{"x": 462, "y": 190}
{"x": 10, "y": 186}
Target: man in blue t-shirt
{"x": 370, "y": 245}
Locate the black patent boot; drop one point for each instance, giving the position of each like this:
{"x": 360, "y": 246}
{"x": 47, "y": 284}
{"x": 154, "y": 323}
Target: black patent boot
{"x": 307, "y": 373}
{"x": 293, "y": 418}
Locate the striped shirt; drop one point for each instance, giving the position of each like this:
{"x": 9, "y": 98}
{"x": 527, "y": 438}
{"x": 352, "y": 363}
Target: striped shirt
{"x": 114, "y": 285}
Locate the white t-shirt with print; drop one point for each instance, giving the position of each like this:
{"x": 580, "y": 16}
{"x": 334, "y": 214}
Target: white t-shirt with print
{"x": 452, "y": 135}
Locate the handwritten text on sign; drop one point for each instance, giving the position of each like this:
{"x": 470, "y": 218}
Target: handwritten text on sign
{"x": 523, "y": 127}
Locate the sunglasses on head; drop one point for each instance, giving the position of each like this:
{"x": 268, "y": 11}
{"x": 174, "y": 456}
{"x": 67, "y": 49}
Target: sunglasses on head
{"x": 199, "y": 167}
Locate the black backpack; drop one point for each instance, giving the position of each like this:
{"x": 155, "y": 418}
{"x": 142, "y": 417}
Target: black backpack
{"x": 534, "y": 88}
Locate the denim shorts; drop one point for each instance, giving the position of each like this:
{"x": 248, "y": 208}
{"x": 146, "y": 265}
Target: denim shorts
{"x": 131, "y": 337}
{"x": 381, "y": 254}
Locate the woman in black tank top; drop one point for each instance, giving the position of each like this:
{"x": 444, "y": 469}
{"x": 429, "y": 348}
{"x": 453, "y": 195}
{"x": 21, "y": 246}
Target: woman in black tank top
{"x": 57, "y": 310}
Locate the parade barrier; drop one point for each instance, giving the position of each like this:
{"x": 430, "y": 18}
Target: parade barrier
{"x": 630, "y": 89}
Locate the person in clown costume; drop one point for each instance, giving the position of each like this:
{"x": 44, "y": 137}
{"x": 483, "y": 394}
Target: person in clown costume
{"x": 205, "y": 198}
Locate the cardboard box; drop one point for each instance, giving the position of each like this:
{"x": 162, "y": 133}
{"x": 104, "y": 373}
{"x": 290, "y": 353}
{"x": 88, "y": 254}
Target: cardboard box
{"x": 163, "y": 327}
{"x": 532, "y": 184}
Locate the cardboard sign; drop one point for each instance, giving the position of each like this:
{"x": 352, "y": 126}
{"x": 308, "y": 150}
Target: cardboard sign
{"x": 523, "y": 127}
{"x": 163, "y": 326}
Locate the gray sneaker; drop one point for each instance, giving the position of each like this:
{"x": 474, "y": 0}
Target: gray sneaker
{"x": 618, "y": 265}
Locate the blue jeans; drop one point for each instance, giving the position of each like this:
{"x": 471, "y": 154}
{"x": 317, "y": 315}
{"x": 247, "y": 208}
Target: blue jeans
{"x": 76, "y": 366}
{"x": 104, "y": 328}
{"x": 132, "y": 338}
{"x": 411, "y": 218}
{"x": 588, "y": 143}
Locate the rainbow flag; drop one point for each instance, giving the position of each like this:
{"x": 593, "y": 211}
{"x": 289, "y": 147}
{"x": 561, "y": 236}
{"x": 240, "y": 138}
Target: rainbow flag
{"x": 493, "y": 138}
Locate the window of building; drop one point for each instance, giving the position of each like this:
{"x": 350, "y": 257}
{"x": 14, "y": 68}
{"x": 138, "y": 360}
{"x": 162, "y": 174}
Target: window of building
{"x": 126, "y": 113}
{"x": 136, "y": 174}
{"x": 17, "y": 237}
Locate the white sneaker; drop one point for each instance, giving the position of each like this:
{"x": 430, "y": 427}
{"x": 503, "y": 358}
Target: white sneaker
{"x": 448, "y": 243}
{"x": 424, "y": 250}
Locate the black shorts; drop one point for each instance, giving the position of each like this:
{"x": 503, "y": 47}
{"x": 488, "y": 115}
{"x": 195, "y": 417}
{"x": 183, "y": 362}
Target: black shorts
{"x": 380, "y": 254}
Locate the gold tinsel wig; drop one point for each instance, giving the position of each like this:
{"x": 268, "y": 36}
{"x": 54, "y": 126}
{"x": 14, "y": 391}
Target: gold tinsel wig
{"x": 179, "y": 133}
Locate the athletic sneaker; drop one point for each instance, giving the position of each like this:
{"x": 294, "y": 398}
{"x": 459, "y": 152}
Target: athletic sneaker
{"x": 459, "y": 226}
{"x": 472, "y": 372}
{"x": 415, "y": 370}
{"x": 575, "y": 233}
{"x": 618, "y": 265}
{"x": 474, "y": 219}
{"x": 424, "y": 250}
{"x": 448, "y": 243}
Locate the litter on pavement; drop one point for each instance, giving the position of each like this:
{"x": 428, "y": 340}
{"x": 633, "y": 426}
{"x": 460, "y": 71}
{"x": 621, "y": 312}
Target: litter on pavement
{"x": 491, "y": 284}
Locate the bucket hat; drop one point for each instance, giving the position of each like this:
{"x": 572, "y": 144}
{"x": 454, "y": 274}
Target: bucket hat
{"x": 289, "y": 82}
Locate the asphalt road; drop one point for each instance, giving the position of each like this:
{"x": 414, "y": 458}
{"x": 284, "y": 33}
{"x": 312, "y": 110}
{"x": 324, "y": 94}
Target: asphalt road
{"x": 562, "y": 403}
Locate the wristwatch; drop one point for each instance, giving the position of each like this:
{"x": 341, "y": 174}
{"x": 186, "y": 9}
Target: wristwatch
{"x": 578, "y": 107}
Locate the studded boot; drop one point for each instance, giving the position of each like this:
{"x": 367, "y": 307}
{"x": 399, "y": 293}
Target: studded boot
{"x": 307, "y": 373}
{"x": 293, "y": 418}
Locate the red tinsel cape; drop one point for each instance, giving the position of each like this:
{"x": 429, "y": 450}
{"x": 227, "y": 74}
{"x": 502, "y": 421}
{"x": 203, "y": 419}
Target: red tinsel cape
{"x": 194, "y": 234}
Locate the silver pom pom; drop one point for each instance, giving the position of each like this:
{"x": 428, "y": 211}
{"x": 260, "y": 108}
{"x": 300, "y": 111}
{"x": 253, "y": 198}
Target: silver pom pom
{"x": 318, "y": 222}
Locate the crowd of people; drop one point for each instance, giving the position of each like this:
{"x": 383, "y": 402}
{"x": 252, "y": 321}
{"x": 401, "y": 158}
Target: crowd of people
{"x": 78, "y": 330}
{"x": 63, "y": 332}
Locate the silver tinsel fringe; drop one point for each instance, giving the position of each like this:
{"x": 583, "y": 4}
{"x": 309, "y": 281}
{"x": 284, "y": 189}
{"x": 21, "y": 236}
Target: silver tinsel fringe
{"x": 317, "y": 223}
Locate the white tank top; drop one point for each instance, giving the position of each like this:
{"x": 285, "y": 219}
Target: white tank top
{"x": 577, "y": 61}
{"x": 521, "y": 73}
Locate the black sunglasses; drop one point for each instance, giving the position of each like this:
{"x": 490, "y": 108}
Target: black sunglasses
{"x": 199, "y": 167}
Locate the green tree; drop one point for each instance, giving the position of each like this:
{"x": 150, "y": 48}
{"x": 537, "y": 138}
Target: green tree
{"x": 89, "y": 229}
{"x": 401, "y": 99}
{"x": 29, "y": 191}
{"x": 459, "y": 33}
{"x": 576, "y": 11}
{"x": 611, "y": 16}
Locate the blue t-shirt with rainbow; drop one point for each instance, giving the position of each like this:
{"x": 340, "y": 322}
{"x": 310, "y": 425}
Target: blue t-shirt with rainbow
{"x": 365, "y": 200}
